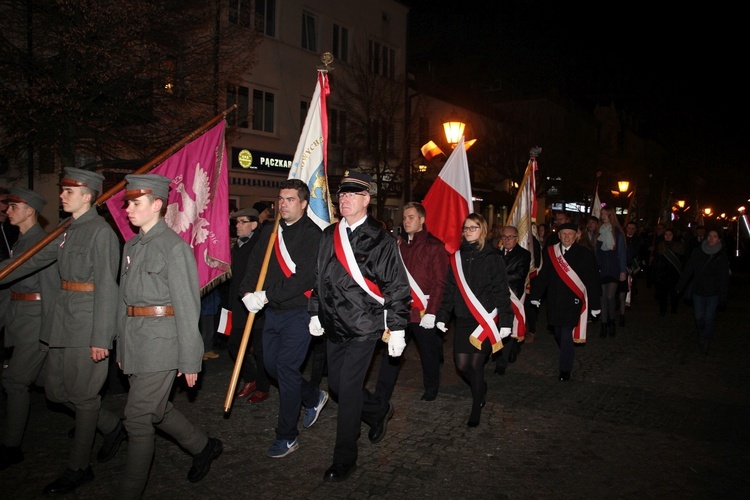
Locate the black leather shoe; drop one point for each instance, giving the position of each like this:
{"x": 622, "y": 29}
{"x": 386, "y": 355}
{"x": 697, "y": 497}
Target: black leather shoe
{"x": 564, "y": 376}
{"x": 202, "y": 461}
{"x": 339, "y": 472}
{"x": 377, "y": 431}
{"x": 111, "y": 444}
{"x": 428, "y": 396}
{"x": 69, "y": 481}
{"x": 10, "y": 455}
{"x": 499, "y": 370}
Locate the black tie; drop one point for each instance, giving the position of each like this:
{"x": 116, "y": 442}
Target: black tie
{"x": 349, "y": 232}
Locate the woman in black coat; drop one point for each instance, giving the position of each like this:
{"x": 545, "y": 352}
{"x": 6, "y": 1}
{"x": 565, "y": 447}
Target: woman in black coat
{"x": 484, "y": 274}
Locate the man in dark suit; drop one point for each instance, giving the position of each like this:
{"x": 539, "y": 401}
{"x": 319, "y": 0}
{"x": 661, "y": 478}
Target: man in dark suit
{"x": 257, "y": 383}
{"x": 570, "y": 279}
{"x": 517, "y": 262}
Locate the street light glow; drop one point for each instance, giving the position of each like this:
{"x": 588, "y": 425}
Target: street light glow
{"x": 454, "y": 130}
{"x": 623, "y": 186}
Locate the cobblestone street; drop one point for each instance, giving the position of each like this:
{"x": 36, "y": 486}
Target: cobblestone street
{"x": 646, "y": 415}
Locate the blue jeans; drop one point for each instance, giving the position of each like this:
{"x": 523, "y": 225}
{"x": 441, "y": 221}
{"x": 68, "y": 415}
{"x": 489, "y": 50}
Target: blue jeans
{"x": 705, "y": 316}
{"x": 286, "y": 337}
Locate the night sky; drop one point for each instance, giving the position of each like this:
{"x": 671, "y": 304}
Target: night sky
{"x": 677, "y": 70}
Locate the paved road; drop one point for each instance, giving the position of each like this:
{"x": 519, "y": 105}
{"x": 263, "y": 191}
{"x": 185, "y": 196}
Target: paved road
{"x": 646, "y": 415}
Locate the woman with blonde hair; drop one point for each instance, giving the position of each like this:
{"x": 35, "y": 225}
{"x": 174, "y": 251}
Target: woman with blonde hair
{"x": 611, "y": 257}
{"x": 477, "y": 293}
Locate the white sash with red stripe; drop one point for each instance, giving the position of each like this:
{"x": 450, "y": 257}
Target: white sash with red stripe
{"x": 418, "y": 297}
{"x": 519, "y": 315}
{"x": 572, "y": 281}
{"x": 287, "y": 265}
{"x": 487, "y": 328}
{"x": 345, "y": 255}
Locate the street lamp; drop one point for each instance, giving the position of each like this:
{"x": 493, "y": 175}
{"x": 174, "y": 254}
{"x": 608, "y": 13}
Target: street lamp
{"x": 707, "y": 211}
{"x": 681, "y": 203}
{"x": 623, "y": 186}
{"x": 454, "y": 131}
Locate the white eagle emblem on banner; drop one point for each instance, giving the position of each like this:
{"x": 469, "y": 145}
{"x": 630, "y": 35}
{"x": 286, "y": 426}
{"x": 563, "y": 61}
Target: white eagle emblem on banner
{"x": 180, "y": 220}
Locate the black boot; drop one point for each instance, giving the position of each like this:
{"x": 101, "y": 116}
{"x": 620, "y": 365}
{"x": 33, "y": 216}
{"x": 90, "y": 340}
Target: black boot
{"x": 622, "y": 320}
{"x": 611, "y": 328}
{"x": 604, "y": 325}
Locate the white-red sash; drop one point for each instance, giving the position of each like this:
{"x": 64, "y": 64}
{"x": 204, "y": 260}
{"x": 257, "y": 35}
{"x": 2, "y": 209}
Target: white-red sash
{"x": 572, "y": 281}
{"x": 288, "y": 267}
{"x": 345, "y": 255}
{"x": 519, "y": 315}
{"x": 418, "y": 297}
{"x": 487, "y": 328}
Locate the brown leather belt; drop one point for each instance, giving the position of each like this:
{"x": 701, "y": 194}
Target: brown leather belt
{"x": 25, "y": 296}
{"x": 150, "y": 311}
{"x": 74, "y": 286}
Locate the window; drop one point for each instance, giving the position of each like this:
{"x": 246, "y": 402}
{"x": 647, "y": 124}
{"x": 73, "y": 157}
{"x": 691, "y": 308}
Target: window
{"x": 239, "y": 12}
{"x": 336, "y": 127}
{"x": 309, "y": 32}
{"x": 263, "y": 111}
{"x": 241, "y": 97}
{"x": 340, "y": 43}
{"x": 381, "y": 137}
{"x": 381, "y": 59}
{"x": 265, "y": 17}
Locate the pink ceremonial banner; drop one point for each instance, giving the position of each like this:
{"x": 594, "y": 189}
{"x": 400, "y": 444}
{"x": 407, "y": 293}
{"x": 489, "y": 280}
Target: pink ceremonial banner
{"x": 198, "y": 205}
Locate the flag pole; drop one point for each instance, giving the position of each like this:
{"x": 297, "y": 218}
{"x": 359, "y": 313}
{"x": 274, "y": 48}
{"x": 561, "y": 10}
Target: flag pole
{"x": 596, "y": 192}
{"x": 250, "y": 319}
{"x": 114, "y": 190}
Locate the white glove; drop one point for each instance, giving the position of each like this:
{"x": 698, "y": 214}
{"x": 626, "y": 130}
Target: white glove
{"x": 504, "y": 332}
{"x": 428, "y": 321}
{"x": 255, "y": 301}
{"x": 441, "y": 326}
{"x": 396, "y": 343}
{"x": 316, "y": 329}
{"x": 595, "y": 313}
{"x": 536, "y": 303}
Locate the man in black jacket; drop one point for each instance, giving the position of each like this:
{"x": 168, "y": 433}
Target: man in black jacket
{"x": 361, "y": 289}
{"x": 517, "y": 262}
{"x": 286, "y": 337}
{"x": 256, "y": 385}
{"x": 570, "y": 278}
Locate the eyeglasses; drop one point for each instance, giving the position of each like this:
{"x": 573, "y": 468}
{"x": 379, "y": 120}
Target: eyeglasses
{"x": 346, "y": 196}
{"x": 506, "y": 237}
{"x": 469, "y": 229}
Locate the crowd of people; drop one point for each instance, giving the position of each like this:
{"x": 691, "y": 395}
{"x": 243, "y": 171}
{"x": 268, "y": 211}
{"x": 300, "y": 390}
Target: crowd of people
{"x": 332, "y": 297}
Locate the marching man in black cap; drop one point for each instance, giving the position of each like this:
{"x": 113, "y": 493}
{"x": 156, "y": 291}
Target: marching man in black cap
{"x": 82, "y": 324}
{"x": 158, "y": 337}
{"x": 570, "y": 277}
{"x": 30, "y": 300}
{"x": 361, "y": 295}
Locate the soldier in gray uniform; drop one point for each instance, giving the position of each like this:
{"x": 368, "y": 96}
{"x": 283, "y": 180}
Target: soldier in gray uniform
{"x": 82, "y": 323}
{"x": 30, "y": 301}
{"x": 158, "y": 334}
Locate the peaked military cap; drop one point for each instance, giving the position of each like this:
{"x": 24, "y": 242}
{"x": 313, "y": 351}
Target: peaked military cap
{"x": 354, "y": 182}
{"x": 82, "y": 178}
{"x": 140, "y": 184}
{"x": 24, "y": 195}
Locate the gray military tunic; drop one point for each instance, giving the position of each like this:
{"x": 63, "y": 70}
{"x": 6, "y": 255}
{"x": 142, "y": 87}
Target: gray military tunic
{"x": 158, "y": 269}
{"x": 87, "y": 252}
{"x": 23, "y": 327}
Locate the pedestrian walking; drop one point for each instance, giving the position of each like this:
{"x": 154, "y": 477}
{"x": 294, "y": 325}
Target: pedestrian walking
{"x": 361, "y": 295}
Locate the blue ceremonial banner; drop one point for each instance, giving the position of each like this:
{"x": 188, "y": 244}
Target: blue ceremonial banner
{"x": 311, "y": 159}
